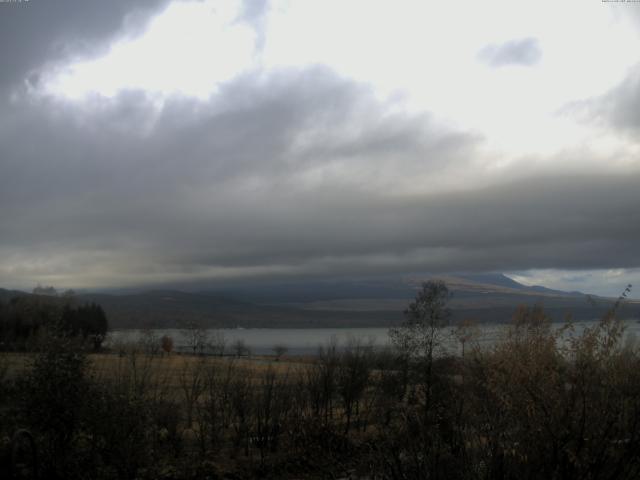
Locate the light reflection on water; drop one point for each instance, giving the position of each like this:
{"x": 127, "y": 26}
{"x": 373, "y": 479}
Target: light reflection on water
{"x": 305, "y": 341}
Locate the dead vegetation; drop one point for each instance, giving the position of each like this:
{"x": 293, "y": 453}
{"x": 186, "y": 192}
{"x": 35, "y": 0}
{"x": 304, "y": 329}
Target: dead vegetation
{"x": 529, "y": 407}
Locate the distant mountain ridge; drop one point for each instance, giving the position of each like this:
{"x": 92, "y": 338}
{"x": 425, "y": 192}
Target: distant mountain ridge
{"x": 500, "y": 283}
{"x": 6, "y": 295}
{"x": 500, "y": 279}
{"x": 378, "y": 301}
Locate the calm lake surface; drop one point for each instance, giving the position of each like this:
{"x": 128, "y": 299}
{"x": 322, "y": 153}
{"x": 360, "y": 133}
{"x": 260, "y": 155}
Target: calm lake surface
{"x": 305, "y": 341}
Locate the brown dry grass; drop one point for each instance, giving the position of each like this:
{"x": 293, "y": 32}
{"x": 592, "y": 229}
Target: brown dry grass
{"x": 168, "y": 367}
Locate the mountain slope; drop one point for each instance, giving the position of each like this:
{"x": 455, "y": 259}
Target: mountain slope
{"x": 344, "y": 303}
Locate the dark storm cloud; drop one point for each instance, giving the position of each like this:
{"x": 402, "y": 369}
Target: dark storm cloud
{"x": 265, "y": 131}
{"x": 40, "y": 31}
{"x": 524, "y": 52}
{"x": 297, "y": 172}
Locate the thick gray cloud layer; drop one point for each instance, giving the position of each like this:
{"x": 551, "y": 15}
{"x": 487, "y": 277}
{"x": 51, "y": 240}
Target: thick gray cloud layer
{"x": 225, "y": 185}
{"x": 296, "y": 171}
{"x": 232, "y": 182}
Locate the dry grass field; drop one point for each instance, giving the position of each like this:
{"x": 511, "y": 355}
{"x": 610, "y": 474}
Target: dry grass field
{"x": 170, "y": 367}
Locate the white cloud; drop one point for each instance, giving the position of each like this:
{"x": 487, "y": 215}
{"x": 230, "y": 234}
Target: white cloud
{"x": 188, "y": 49}
{"x": 425, "y": 53}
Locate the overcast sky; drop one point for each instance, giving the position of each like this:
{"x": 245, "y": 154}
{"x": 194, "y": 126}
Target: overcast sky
{"x": 145, "y": 143}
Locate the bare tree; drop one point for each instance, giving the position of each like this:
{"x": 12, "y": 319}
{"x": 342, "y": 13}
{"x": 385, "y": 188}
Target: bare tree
{"x": 192, "y": 379}
{"x": 196, "y": 337}
{"x": 166, "y": 342}
{"x": 421, "y": 336}
{"x": 352, "y": 378}
{"x": 465, "y": 332}
{"x": 240, "y": 347}
{"x": 217, "y": 342}
{"x": 280, "y": 350}
{"x": 321, "y": 381}
{"x": 149, "y": 342}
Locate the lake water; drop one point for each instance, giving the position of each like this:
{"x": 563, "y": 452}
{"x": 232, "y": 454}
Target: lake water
{"x": 261, "y": 341}
{"x": 305, "y": 341}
